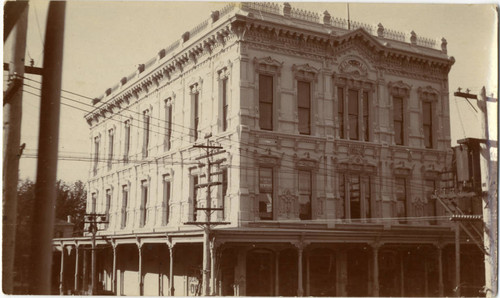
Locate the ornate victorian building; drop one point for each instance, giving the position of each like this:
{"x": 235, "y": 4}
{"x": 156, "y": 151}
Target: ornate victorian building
{"x": 333, "y": 139}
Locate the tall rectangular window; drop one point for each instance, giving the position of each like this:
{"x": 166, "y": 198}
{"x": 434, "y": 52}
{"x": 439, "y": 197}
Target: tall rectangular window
{"x": 108, "y": 202}
{"x": 126, "y": 148}
{"x": 430, "y": 188}
{"x": 224, "y": 190}
{"x": 93, "y": 203}
{"x": 427, "y": 111}
{"x": 366, "y": 119}
{"x": 368, "y": 195}
{"x": 401, "y": 199}
{"x": 168, "y": 127}
{"x": 353, "y": 115}
{"x": 355, "y": 196}
{"x": 144, "y": 202}
{"x": 166, "y": 199}
{"x": 196, "y": 115}
{"x": 266, "y": 189}
{"x": 398, "y": 120}
{"x": 342, "y": 194}
{"x": 124, "y": 205}
{"x": 304, "y": 107}
{"x": 305, "y": 194}
{"x": 266, "y": 102}
{"x": 340, "y": 92}
{"x": 194, "y": 190}
{"x": 145, "y": 143}
{"x": 225, "y": 104}
{"x": 110, "y": 148}
{"x": 96, "y": 153}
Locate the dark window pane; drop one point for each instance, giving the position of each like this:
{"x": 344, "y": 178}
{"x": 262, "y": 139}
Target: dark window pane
{"x": 368, "y": 190}
{"x": 266, "y": 193}
{"x": 304, "y": 121}
{"x": 266, "y": 116}
{"x": 353, "y": 127}
{"x": 195, "y": 197}
{"x": 398, "y": 132}
{"x": 340, "y": 99}
{"x": 224, "y": 104}
{"x": 355, "y": 196}
{"x": 401, "y": 199}
{"x": 196, "y": 116}
{"x": 305, "y": 194}
{"x": 353, "y": 115}
{"x": 427, "y": 125}
{"x": 366, "y": 118}
{"x": 398, "y": 108}
{"x": 265, "y": 88}
{"x": 304, "y": 94}
{"x": 342, "y": 194}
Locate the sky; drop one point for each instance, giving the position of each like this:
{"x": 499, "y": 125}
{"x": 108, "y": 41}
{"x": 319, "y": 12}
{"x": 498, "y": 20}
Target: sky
{"x": 105, "y": 40}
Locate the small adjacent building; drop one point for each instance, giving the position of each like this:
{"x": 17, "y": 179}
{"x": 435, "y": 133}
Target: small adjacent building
{"x": 333, "y": 137}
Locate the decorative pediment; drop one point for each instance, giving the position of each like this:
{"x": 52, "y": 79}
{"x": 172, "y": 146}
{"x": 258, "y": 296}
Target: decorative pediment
{"x": 402, "y": 168}
{"x": 353, "y": 66}
{"x": 267, "y": 64}
{"x": 428, "y": 93}
{"x": 399, "y": 88}
{"x": 305, "y": 72}
{"x": 307, "y": 163}
{"x": 356, "y": 164}
{"x": 268, "y": 160}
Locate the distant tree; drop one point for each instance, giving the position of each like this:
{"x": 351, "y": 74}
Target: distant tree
{"x": 70, "y": 201}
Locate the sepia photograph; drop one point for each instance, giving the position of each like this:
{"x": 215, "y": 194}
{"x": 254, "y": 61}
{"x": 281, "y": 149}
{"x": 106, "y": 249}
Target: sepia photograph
{"x": 170, "y": 148}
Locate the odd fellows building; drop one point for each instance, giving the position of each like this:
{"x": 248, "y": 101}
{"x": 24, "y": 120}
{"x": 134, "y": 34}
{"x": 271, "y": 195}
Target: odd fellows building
{"x": 315, "y": 145}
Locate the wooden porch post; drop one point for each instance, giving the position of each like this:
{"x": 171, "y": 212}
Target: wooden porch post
{"x": 114, "y": 246}
{"x": 76, "y": 268}
{"x": 141, "y": 284}
{"x": 277, "y": 274}
{"x": 171, "y": 290}
{"x": 61, "y": 272}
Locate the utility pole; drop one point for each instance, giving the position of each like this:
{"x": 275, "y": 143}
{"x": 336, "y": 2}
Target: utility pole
{"x": 45, "y": 191}
{"x": 12, "y": 113}
{"x": 94, "y": 219}
{"x": 488, "y": 194}
{"x": 207, "y": 224}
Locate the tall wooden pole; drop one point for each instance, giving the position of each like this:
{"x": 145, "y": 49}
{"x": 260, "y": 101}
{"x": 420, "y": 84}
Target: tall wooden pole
{"x": 489, "y": 203}
{"x": 12, "y": 112}
{"x": 45, "y": 191}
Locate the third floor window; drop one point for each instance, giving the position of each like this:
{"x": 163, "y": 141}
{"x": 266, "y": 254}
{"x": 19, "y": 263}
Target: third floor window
{"x": 146, "y": 132}
{"x": 398, "y": 120}
{"x": 168, "y": 127}
{"x": 266, "y": 102}
{"x": 126, "y": 147}
{"x": 304, "y": 107}
{"x": 427, "y": 123}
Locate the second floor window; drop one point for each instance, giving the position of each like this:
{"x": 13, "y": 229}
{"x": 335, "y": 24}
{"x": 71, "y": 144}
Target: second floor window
{"x": 224, "y": 190}
{"x": 427, "y": 123}
{"x": 398, "y": 120}
{"x": 430, "y": 188}
{"x": 266, "y": 102}
{"x": 145, "y": 143}
{"x": 168, "y": 127}
{"x": 340, "y": 94}
{"x": 401, "y": 195}
{"x": 124, "y": 205}
{"x": 266, "y": 190}
{"x": 126, "y": 146}
{"x": 166, "y": 199}
{"x": 355, "y": 191}
{"x": 304, "y": 107}
{"x": 305, "y": 195}
{"x": 110, "y": 148}
{"x": 353, "y": 111}
{"x": 366, "y": 119}
{"x": 144, "y": 202}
